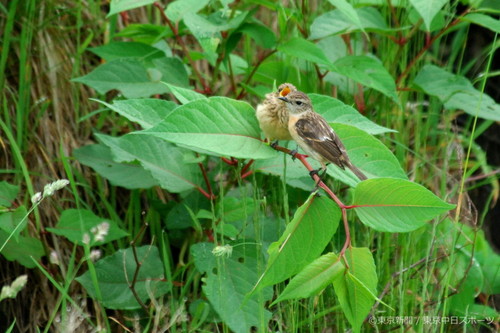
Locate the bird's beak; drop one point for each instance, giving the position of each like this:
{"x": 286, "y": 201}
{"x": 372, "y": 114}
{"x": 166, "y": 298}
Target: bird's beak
{"x": 284, "y": 99}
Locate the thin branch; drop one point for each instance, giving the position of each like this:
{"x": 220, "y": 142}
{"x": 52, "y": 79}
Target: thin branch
{"x": 207, "y": 181}
{"x": 180, "y": 41}
{"x": 137, "y": 268}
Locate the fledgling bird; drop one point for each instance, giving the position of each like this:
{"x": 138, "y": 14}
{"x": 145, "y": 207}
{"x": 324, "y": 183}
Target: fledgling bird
{"x": 313, "y": 134}
{"x": 272, "y": 114}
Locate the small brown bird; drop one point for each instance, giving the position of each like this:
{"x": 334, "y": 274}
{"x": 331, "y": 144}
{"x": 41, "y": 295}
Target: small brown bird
{"x": 313, "y": 134}
{"x": 273, "y": 114}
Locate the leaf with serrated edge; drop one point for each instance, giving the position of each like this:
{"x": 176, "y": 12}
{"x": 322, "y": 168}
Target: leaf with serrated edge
{"x": 396, "y": 205}
{"x": 217, "y": 125}
{"x": 356, "y": 300}
{"x": 313, "y": 278}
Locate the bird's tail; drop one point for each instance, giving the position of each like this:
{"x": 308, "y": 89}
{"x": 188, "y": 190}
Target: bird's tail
{"x": 357, "y": 172}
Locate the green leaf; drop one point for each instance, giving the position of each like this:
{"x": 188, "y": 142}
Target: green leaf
{"x": 133, "y": 79}
{"x": 145, "y": 33}
{"x": 176, "y": 10}
{"x": 349, "y": 12}
{"x": 262, "y": 35}
{"x": 456, "y": 92}
{"x": 117, "y": 50}
{"x": 228, "y": 281}
{"x": 9, "y": 221}
{"x": 367, "y": 153}
{"x": 313, "y": 278}
{"x": 335, "y": 22}
{"x": 357, "y": 288}
{"x": 166, "y": 162}
{"x": 206, "y": 33}
{"x": 118, "y": 6}
{"x": 335, "y": 111}
{"x": 185, "y": 95}
{"x": 303, "y": 49}
{"x": 146, "y": 112}
{"x": 116, "y": 272}
{"x": 22, "y": 250}
{"x": 369, "y": 72}
{"x": 305, "y": 237}
{"x": 8, "y": 193}
{"x": 396, "y": 205}
{"x": 218, "y": 125}
{"x": 99, "y": 158}
{"x": 428, "y": 9}
{"x": 75, "y": 223}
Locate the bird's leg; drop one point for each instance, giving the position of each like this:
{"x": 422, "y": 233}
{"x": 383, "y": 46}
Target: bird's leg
{"x": 294, "y": 153}
{"x": 274, "y": 144}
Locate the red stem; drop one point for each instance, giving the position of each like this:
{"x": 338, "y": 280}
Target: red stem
{"x": 205, "y": 177}
{"x": 180, "y": 41}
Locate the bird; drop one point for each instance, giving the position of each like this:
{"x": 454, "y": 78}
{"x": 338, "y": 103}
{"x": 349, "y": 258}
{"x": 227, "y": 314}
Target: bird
{"x": 272, "y": 114}
{"x": 313, "y": 134}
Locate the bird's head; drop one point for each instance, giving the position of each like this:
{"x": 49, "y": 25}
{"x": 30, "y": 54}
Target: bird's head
{"x": 296, "y": 102}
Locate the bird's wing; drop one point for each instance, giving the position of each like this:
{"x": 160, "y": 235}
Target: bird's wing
{"x": 318, "y": 135}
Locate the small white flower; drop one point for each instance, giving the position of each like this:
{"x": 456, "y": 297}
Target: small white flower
{"x": 54, "y": 257}
{"x": 101, "y": 231}
{"x": 86, "y": 238}
{"x": 36, "y": 198}
{"x": 226, "y": 250}
{"x": 51, "y": 188}
{"x": 95, "y": 255}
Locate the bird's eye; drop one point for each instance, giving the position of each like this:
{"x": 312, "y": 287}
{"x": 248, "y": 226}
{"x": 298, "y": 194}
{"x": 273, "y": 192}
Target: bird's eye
{"x": 298, "y": 103}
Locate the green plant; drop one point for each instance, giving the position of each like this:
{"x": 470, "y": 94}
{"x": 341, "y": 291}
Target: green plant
{"x": 243, "y": 210}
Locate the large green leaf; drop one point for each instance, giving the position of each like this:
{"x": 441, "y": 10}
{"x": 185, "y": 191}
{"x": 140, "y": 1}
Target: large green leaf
{"x": 118, "y": 6}
{"x": 74, "y": 224}
{"x": 349, "y": 12}
{"x": 396, "y": 205}
{"x": 456, "y": 92}
{"x": 218, "y": 125}
{"x": 128, "y": 175}
{"x": 8, "y": 193}
{"x": 11, "y": 220}
{"x": 303, "y": 49}
{"x": 22, "y": 249}
{"x": 428, "y": 9}
{"x": 335, "y": 22}
{"x": 229, "y": 279}
{"x": 116, "y": 272}
{"x": 184, "y": 95}
{"x": 116, "y": 50}
{"x": 356, "y": 290}
{"x": 483, "y": 20}
{"x": 369, "y": 72}
{"x": 313, "y": 278}
{"x": 305, "y": 237}
{"x": 146, "y": 112}
{"x": 367, "y": 153}
{"x": 173, "y": 167}
{"x": 133, "y": 78}
{"x": 176, "y": 10}
{"x": 335, "y": 111}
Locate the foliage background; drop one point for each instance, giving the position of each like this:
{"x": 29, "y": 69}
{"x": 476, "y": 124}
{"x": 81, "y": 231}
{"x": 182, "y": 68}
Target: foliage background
{"x": 45, "y": 118}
